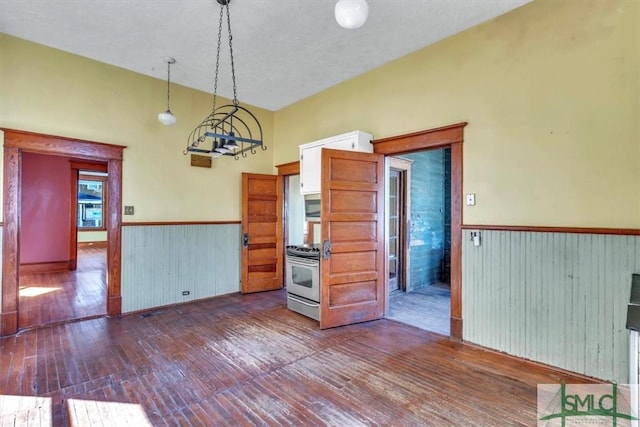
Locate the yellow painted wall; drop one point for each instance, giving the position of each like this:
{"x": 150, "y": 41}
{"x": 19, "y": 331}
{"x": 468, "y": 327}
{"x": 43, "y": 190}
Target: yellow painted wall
{"x": 49, "y": 91}
{"x": 551, "y": 93}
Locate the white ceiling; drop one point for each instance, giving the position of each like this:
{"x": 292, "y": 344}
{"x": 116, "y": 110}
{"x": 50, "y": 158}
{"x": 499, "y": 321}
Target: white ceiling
{"x": 284, "y": 50}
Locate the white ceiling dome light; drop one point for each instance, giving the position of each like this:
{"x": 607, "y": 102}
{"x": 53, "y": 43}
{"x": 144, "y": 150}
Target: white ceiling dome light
{"x": 351, "y": 14}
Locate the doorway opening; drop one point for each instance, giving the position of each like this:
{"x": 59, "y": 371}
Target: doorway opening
{"x": 54, "y": 297}
{"x": 419, "y": 239}
{"x": 16, "y": 145}
{"x": 63, "y": 240}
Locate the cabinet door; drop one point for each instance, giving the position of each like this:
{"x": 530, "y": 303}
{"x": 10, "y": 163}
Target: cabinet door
{"x": 353, "y": 141}
{"x": 348, "y": 144}
{"x": 310, "y": 169}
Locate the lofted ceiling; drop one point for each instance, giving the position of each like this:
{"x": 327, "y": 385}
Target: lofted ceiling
{"x": 284, "y": 50}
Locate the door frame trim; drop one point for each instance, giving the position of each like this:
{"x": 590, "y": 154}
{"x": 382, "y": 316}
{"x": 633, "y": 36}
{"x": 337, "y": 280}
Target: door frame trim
{"x": 404, "y": 166}
{"x": 451, "y": 136}
{"x": 285, "y": 170}
{"x": 15, "y": 143}
{"x": 76, "y": 166}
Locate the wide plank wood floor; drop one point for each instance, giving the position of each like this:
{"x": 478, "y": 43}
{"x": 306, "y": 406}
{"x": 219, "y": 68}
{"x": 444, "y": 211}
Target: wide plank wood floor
{"x": 57, "y": 297}
{"x": 247, "y": 360}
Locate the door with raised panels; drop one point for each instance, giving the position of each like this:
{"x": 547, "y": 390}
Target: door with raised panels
{"x": 353, "y": 259}
{"x": 262, "y": 250}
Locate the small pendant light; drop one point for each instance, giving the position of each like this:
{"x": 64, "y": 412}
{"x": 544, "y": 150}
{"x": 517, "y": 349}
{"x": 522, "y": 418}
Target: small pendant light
{"x": 167, "y": 118}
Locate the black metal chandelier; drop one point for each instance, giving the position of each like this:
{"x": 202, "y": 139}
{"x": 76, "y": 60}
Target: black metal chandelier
{"x": 228, "y": 130}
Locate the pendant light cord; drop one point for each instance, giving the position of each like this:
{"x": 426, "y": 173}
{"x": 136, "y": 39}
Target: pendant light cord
{"x": 168, "y": 85}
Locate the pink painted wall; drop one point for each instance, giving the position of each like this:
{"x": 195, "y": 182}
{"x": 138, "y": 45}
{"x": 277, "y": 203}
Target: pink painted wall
{"x": 44, "y": 216}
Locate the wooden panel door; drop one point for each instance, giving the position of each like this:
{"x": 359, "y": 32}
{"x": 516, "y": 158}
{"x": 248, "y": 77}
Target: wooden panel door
{"x": 262, "y": 249}
{"x": 352, "y": 270}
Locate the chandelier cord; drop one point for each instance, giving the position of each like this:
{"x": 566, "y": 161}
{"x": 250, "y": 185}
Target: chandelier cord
{"x": 233, "y": 68}
{"x": 215, "y": 81}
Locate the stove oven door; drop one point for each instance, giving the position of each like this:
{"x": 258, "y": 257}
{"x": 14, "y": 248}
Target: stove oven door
{"x": 303, "y": 277}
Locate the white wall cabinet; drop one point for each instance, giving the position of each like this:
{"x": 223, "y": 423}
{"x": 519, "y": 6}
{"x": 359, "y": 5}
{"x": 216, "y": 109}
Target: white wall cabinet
{"x": 311, "y": 156}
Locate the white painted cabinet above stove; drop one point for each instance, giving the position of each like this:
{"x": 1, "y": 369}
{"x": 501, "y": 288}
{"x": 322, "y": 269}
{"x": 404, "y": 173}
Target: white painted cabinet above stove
{"x": 311, "y": 156}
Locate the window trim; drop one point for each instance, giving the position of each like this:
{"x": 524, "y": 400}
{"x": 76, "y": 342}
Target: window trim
{"x": 105, "y": 192}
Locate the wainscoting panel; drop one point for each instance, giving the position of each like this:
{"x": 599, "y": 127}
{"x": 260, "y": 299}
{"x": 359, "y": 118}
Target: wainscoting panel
{"x": 160, "y": 262}
{"x": 555, "y": 298}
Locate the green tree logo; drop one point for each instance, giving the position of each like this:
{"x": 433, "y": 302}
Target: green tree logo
{"x": 589, "y": 404}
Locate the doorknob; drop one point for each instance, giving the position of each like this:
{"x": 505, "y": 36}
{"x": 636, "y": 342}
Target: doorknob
{"x": 326, "y": 249}
{"x": 245, "y": 239}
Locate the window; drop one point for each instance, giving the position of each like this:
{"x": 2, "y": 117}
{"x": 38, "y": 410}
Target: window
{"x": 92, "y": 201}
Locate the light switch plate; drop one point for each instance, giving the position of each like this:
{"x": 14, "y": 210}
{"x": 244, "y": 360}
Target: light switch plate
{"x": 128, "y": 210}
{"x": 471, "y": 199}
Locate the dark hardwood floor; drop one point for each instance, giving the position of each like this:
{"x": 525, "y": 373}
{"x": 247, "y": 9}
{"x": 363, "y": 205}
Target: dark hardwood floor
{"x": 247, "y": 360}
{"x": 58, "y": 297}
{"x": 428, "y": 308}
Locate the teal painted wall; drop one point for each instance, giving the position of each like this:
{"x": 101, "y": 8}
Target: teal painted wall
{"x": 430, "y": 218}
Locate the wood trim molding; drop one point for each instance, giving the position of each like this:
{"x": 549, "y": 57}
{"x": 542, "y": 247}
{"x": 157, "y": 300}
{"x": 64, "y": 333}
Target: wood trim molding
{"x": 100, "y": 244}
{"x": 442, "y": 137}
{"x": 455, "y": 328}
{"x": 545, "y": 229}
{"x": 291, "y": 168}
{"x": 404, "y": 165}
{"x": 456, "y": 241}
{"x": 532, "y": 365}
{"x": 114, "y": 237}
{"x": 15, "y": 143}
{"x": 432, "y": 138}
{"x": 89, "y": 166}
{"x": 8, "y": 322}
{"x": 62, "y": 146}
{"x": 76, "y": 167}
{"x": 286, "y": 170}
{"x": 175, "y": 304}
{"x": 311, "y": 231}
{"x": 45, "y": 267}
{"x": 10, "y": 246}
{"x": 142, "y": 224}
{"x": 105, "y": 199}
{"x": 73, "y": 220}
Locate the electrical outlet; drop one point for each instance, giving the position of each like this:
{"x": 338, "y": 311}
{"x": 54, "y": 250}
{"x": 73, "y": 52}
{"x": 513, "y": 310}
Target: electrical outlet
{"x": 185, "y": 293}
{"x": 471, "y": 199}
{"x": 128, "y": 210}
{"x": 475, "y": 238}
